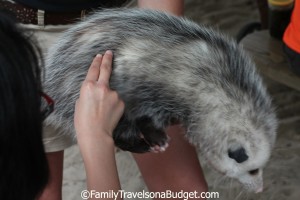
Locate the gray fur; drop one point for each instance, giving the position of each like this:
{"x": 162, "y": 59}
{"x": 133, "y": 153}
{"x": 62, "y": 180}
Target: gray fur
{"x": 167, "y": 67}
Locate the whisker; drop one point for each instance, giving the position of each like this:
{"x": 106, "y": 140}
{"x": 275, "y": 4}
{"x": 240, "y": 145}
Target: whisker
{"x": 230, "y": 192}
{"x": 239, "y": 194}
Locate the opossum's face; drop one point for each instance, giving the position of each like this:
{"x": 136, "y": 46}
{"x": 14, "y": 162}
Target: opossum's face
{"x": 239, "y": 149}
{"x": 244, "y": 162}
{"x": 237, "y": 158}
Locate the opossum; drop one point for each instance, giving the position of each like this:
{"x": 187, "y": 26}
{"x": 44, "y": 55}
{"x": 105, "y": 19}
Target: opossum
{"x": 169, "y": 69}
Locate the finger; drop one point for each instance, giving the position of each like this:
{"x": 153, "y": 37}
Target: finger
{"x": 106, "y": 67}
{"x": 94, "y": 70}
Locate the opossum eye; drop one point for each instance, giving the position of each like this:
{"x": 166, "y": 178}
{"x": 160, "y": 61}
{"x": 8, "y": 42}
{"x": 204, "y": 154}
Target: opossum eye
{"x": 254, "y": 172}
{"x": 239, "y": 154}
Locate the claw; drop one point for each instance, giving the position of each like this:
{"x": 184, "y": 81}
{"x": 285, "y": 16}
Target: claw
{"x": 157, "y": 149}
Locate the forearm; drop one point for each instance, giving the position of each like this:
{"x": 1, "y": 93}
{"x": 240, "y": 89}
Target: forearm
{"x": 175, "y": 7}
{"x": 100, "y": 164}
{"x": 97, "y": 112}
{"x": 54, "y": 185}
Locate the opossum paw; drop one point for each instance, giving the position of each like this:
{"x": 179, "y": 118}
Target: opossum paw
{"x": 154, "y": 136}
{"x": 135, "y": 146}
{"x": 157, "y": 149}
{"x": 159, "y": 143}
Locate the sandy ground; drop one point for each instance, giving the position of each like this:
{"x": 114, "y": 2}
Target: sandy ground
{"x": 281, "y": 176}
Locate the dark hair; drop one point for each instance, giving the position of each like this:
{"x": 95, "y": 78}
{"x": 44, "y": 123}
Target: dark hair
{"x": 23, "y": 163}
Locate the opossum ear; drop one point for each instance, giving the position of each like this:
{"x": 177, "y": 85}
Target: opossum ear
{"x": 238, "y": 153}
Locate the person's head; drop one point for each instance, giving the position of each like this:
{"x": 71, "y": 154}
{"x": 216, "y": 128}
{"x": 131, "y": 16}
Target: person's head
{"x": 23, "y": 164}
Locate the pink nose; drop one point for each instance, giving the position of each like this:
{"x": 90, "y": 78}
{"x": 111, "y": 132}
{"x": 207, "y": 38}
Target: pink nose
{"x": 259, "y": 190}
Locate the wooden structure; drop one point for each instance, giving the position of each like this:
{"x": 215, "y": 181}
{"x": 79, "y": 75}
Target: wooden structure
{"x": 270, "y": 60}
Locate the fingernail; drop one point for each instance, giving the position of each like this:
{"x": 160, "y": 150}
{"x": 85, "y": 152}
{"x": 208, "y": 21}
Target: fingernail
{"x": 99, "y": 55}
{"x": 109, "y": 52}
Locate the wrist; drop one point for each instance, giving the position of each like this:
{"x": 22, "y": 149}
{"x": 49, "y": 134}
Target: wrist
{"x": 94, "y": 142}
{"x": 90, "y": 134}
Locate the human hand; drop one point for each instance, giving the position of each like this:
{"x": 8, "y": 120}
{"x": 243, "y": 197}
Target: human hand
{"x": 98, "y": 108}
